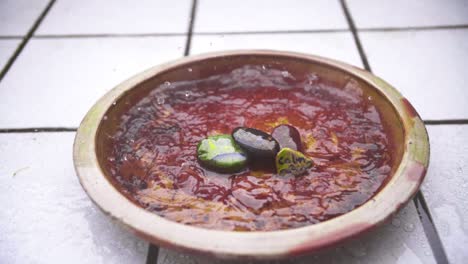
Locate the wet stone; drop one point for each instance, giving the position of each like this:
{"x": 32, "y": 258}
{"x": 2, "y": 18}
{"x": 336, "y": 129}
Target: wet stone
{"x": 287, "y": 137}
{"x": 221, "y": 153}
{"x": 256, "y": 143}
{"x": 291, "y": 162}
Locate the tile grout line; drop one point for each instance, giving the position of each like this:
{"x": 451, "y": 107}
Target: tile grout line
{"x": 430, "y": 229}
{"x": 37, "y": 130}
{"x": 446, "y": 122}
{"x": 105, "y": 35}
{"x": 153, "y": 254}
{"x": 170, "y": 34}
{"x": 153, "y": 250}
{"x": 416, "y": 28}
{"x": 25, "y": 40}
{"x": 421, "y": 207}
{"x": 74, "y": 129}
{"x": 357, "y": 41}
{"x": 190, "y": 28}
{"x": 10, "y": 37}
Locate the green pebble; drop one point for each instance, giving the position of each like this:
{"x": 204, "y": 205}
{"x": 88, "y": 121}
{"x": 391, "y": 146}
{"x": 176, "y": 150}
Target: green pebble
{"x": 291, "y": 162}
{"x": 221, "y": 153}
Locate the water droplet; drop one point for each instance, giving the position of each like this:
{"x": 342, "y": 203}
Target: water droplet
{"x": 263, "y": 67}
{"x": 139, "y": 108}
{"x": 285, "y": 74}
{"x": 356, "y": 249}
{"x": 160, "y": 100}
{"x": 187, "y": 94}
{"x": 409, "y": 227}
{"x": 396, "y": 222}
{"x": 114, "y": 103}
{"x": 104, "y": 117}
{"x": 189, "y": 69}
{"x": 35, "y": 130}
{"x": 369, "y": 98}
{"x": 185, "y": 165}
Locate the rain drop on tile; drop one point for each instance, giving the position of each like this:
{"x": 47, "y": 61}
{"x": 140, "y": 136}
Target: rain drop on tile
{"x": 396, "y": 222}
{"x": 408, "y": 227}
{"x": 104, "y": 117}
{"x": 189, "y": 69}
{"x": 167, "y": 83}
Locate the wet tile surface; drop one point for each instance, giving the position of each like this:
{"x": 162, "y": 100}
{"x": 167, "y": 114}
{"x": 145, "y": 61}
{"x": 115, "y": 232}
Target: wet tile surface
{"x": 7, "y": 48}
{"x": 400, "y": 241}
{"x": 46, "y": 216}
{"x": 446, "y": 188}
{"x": 18, "y": 16}
{"x": 54, "y": 82}
{"x": 69, "y": 17}
{"x": 338, "y": 46}
{"x": 428, "y": 67}
{"x": 402, "y": 13}
{"x": 268, "y": 15}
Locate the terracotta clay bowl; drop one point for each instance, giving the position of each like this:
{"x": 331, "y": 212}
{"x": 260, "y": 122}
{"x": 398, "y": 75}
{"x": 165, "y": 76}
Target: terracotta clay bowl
{"x": 406, "y": 127}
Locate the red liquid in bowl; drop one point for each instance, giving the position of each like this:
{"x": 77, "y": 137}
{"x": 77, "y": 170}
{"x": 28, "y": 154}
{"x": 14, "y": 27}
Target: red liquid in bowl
{"x": 154, "y": 162}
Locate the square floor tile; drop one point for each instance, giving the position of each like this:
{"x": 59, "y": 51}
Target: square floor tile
{"x": 7, "y": 48}
{"x": 446, "y": 188}
{"x": 116, "y": 16}
{"x": 430, "y": 68}
{"x": 338, "y": 46}
{"x": 268, "y": 15}
{"x": 46, "y": 216}
{"x": 54, "y": 82}
{"x": 18, "y": 16}
{"x": 401, "y": 241}
{"x": 403, "y": 13}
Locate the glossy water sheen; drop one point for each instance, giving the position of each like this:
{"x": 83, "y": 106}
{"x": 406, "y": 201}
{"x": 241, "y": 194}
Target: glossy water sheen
{"x": 154, "y": 159}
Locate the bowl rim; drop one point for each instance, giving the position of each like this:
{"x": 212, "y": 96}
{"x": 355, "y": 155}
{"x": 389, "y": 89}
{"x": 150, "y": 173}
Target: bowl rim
{"x": 257, "y": 244}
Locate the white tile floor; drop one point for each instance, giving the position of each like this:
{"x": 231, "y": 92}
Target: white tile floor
{"x": 77, "y": 70}
{"x": 268, "y": 15}
{"x": 446, "y": 187}
{"x": 429, "y": 67}
{"x": 336, "y": 45}
{"x": 7, "y": 48}
{"x": 403, "y": 13}
{"x": 17, "y": 16}
{"x": 46, "y": 217}
{"x": 78, "y": 53}
{"x": 69, "y": 17}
